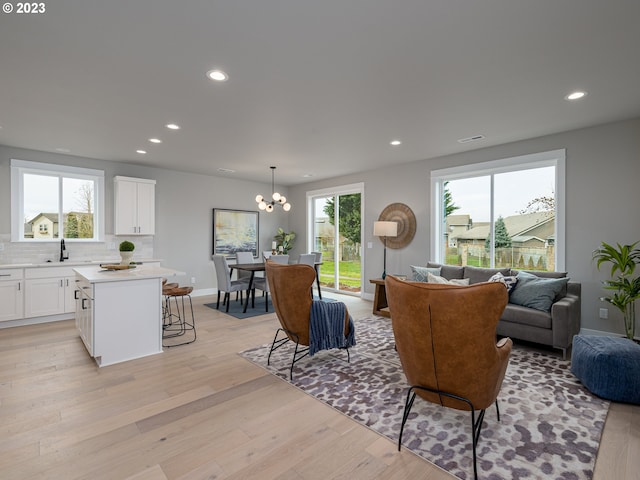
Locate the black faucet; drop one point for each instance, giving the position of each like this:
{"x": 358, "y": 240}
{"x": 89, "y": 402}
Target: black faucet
{"x": 63, "y": 257}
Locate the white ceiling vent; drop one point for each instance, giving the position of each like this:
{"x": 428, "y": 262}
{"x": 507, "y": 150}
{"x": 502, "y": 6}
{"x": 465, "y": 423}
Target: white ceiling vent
{"x": 226, "y": 170}
{"x": 475, "y": 138}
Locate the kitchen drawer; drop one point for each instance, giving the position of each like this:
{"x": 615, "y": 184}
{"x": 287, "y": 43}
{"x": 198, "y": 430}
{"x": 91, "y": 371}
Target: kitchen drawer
{"x": 49, "y": 272}
{"x": 11, "y": 274}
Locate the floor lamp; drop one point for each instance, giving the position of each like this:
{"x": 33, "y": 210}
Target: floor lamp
{"x": 384, "y": 230}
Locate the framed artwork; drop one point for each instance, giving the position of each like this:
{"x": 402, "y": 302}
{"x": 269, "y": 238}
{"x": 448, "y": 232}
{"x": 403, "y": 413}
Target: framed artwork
{"x": 234, "y": 231}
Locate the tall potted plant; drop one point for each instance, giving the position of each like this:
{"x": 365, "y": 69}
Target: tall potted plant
{"x": 623, "y": 260}
{"x": 284, "y": 240}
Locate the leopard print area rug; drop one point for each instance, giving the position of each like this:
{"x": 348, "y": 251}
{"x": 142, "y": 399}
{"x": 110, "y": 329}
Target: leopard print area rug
{"x": 550, "y": 425}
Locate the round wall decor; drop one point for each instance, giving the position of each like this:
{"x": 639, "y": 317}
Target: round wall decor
{"x": 406, "y": 220}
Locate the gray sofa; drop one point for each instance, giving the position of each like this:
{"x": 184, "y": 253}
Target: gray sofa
{"x": 555, "y": 327}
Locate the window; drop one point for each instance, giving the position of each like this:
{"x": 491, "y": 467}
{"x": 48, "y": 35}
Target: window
{"x": 50, "y": 202}
{"x": 504, "y": 213}
{"x": 334, "y": 228}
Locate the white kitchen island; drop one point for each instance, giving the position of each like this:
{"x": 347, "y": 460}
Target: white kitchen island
{"x": 119, "y": 312}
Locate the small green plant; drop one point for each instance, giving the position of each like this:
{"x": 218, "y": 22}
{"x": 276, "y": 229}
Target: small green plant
{"x": 623, "y": 259}
{"x": 284, "y": 240}
{"x": 127, "y": 246}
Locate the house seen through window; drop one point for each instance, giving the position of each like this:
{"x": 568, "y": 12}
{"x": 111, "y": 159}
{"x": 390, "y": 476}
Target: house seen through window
{"x": 507, "y": 213}
{"x": 51, "y": 202}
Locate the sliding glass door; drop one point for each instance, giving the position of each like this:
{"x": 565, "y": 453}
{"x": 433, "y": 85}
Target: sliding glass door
{"x": 335, "y": 230}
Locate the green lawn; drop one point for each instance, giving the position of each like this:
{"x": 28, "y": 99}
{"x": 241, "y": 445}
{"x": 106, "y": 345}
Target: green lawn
{"x": 349, "y": 273}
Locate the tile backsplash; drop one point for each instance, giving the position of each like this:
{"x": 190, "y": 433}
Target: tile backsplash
{"x": 41, "y": 252}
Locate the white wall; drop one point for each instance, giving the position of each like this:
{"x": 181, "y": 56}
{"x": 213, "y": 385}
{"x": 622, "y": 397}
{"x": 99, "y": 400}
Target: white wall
{"x": 602, "y": 195}
{"x": 184, "y": 204}
{"x": 603, "y": 200}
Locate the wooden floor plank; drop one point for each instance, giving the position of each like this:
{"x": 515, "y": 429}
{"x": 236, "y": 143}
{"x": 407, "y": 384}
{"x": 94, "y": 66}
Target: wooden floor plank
{"x": 201, "y": 411}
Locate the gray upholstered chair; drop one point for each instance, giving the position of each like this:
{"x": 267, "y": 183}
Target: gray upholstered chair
{"x": 225, "y": 284}
{"x": 307, "y": 259}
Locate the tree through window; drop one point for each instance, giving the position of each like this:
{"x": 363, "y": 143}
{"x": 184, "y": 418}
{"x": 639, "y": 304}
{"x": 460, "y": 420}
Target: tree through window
{"x": 506, "y": 213}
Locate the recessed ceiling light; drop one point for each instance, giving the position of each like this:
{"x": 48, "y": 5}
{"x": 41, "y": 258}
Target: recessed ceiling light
{"x": 172, "y": 126}
{"x": 217, "y": 75}
{"x": 308, "y": 175}
{"x": 575, "y": 95}
{"x": 141, "y": 152}
{"x": 155, "y": 140}
{"x": 63, "y": 150}
{"x": 226, "y": 170}
{"x": 395, "y": 143}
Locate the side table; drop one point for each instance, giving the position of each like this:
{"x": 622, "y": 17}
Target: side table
{"x": 380, "y": 306}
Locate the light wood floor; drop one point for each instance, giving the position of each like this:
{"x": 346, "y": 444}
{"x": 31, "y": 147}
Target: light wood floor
{"x": 201, "y": 412}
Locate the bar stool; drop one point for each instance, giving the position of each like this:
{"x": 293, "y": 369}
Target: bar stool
{"x": 175, "y": 323}
{"x": 166, "y": 288}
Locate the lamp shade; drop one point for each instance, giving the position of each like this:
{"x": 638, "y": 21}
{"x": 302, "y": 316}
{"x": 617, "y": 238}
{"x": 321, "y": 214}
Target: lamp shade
{"x": 385, "y": 229}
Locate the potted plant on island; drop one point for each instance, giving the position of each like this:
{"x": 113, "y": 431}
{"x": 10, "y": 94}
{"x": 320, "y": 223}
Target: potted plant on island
{"x": 126, "y": 252}
{"x": 623, "y": 259}
{"x": 284, "y": 240}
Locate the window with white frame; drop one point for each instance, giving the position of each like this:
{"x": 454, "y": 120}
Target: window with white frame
{"x": 503, "y": 213}
{"x": 51, "y": 202}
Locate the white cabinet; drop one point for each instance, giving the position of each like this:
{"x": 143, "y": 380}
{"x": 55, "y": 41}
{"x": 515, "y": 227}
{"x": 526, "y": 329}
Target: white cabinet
{"x": 119, "y": 314}
{"x": 84, "y": 313}
{"x": 11, "y": 294}
{"x": 49, "y": 291}
{"x": 134, "y": 206}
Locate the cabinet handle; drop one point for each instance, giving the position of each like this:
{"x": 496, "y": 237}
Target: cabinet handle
{"x": 66, "y": 282}
{"x": 61, "y": 284}
{"x": 75, "y": 294}
{"x": 19, "y": 283}
{"x": 83, "y": 306}
{"x": 5, "y": 274}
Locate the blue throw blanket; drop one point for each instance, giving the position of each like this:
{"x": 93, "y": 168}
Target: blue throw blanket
{"x": 326, "y": 327}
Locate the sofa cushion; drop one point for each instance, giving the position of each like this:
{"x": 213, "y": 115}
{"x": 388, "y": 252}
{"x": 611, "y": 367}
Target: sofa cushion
{"x": 561, "y": 294}
{"x": 448, "y": 271}
{"x": 480, "y": 274}
{"x": 509, "y": 282}
{"x": 536, "y": 292}
{"x": 454, "y": 281}
{"x": 420, "y": 273}
{"x": 526, "y": 316}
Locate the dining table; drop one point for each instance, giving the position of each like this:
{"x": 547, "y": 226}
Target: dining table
{"x": 252, "y": 268}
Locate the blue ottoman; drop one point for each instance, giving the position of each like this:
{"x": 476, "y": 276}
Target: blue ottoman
{"x": 607, "y": 366}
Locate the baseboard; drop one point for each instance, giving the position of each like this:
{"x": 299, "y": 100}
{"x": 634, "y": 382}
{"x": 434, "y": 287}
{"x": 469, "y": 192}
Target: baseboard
{"x": 204, "y": 291}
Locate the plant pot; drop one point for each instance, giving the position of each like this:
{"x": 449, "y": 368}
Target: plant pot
{"x": 125, "y": 258}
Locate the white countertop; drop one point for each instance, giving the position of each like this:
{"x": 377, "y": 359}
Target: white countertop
{"x": 71, "y": 263}
{"x": 95, "y": 274}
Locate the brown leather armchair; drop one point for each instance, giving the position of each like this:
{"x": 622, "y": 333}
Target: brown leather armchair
{"x": 446, "y": 340}
{"x": 290, "y": 287}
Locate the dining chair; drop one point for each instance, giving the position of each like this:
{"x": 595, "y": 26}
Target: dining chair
{"x": 307, "y": 259}
{"x": 261, "y": 283}
{"x": 225, "y": 284}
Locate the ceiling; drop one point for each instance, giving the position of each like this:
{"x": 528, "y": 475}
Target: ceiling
{"x": 315, "y": 87}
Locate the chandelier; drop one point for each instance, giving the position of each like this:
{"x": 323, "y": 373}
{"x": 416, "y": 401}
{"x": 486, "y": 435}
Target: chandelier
{"x": 276, "y": 198}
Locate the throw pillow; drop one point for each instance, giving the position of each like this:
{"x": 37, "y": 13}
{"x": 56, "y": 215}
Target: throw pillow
{"x": 420, "y": 273}
{"x": 509, "y": 282}
{"x": 454, "y": 281}
{"x": 536, "y": 292}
